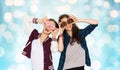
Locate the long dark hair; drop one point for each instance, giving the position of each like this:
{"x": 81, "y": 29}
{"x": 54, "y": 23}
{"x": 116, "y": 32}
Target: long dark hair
{"x": 75, "y": 34}
{"x": 75, "y": 31}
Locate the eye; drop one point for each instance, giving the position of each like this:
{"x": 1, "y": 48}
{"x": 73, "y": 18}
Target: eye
{"x": 70, "y": 20}
{"x": 63, "y": 24}
{"x": 52, "y": 27}
{"x": 47, "y": 23}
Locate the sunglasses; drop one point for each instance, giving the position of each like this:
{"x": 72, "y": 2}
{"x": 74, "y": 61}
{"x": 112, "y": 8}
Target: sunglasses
{"x": 69, "y": 21}
{"x": 52, "y": 27}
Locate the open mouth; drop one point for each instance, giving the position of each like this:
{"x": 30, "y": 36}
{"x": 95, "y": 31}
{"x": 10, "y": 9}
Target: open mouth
{"x": 46, "y": 30}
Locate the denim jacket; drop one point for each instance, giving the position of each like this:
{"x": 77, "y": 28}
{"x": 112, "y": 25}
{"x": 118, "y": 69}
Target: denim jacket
{"x": 83, "y": 32}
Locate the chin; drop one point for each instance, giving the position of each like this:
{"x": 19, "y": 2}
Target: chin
{"x": 68, "y": 29}
{"x": 46, "y": 32}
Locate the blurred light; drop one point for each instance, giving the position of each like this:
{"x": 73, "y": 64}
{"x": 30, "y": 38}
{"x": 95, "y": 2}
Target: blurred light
{"x": 104, "y": 39}
{"x": 9, "y": 2}
{"x": 12, "y": 67}
{"x": 8, "y": 36}
{"x": 117, "y": 1}
{"x": 13, "y": 27}
{"x": 118, "y": 50}
{"x": 72, "y": 1}
{"x": 96, "y": 52}
{"x": 21, "y": 67}
{"x": 35, "y": 1}
{"x": 63, "y": 0}
{"x": 2, "y": 28}
{"x": 99, "y": 2}
{"x": 63, "y": 9}
{"x": 8, "y": 16}
{"x": 96, "y": 65}
{"x": 87, "y": 7}
{"x": 90, "y": 41}
{"x": 19, "y": 58}
{"x": 87, "y": 67}
{"x": 34, "y": 8}
{"x": 19, "y": 2}
{"x": 2, "y": 52}
{"x": 27, "y": 23}
{"x": 114, "y": 13}
{"x": 14, "y": 2}
{"x": 18, "y": 14}
{"x": 108, "y": 68}
{"x": 113, "y": 28}
{"x": 97, "y": 13}
{"x": 117, "y": 65}
{"x": 106, "y": 4}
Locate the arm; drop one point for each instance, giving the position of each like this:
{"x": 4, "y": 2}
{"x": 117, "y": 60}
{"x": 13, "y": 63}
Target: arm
{"x": 89, "y": 21}
{"x": 93, "y": 23}
{"x": 60, "y": 43}
{"x": 54, "y": 43}
{"x": 37, "y": 20}
{"x": 58, "y": 33}
{"x": 60, "y": 40}
{"x": 27, "y": 49}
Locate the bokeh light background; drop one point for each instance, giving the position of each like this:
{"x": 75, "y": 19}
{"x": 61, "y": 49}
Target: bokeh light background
{"x": 103, "y": 43}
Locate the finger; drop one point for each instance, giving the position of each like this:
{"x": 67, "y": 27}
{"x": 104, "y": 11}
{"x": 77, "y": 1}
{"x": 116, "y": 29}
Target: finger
{"x": 45, "y": 19}
{"x": 73, "y": 17}
{"x": 74, "y": 22}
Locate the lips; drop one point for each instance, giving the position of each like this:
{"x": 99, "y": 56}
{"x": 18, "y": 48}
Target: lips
{"x": 46, "y": 29}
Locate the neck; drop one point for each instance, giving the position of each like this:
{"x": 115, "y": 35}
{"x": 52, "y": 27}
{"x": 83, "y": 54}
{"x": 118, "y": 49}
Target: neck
{"x": 43, "y": 36}
{"x": 69, "y": 33}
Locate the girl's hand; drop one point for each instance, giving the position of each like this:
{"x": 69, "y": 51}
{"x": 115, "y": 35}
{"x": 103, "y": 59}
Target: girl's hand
{"x": 75, "y": 19}
{"x": 43, "y": 20}
{"x": 62, "y": 27}
{"x": 55, "y": 33}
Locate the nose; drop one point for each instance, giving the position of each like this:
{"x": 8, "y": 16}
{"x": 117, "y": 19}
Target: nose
{"x": 49, "y": 27}
{"x": 67, "y": 24}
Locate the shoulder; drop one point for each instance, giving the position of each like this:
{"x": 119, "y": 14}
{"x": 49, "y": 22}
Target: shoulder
{"x": 35, "y": 31}
{"x": 34, "y": 34}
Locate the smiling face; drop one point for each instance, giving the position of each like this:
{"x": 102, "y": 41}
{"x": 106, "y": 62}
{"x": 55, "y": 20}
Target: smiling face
{"x": 49, "y": 27}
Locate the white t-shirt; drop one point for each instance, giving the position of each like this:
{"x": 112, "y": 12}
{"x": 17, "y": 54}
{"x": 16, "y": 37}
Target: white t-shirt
{"x": 37, "y": 55}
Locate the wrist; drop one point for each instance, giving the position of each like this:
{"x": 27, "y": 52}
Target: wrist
{"x": 61, "y": 35}
{"x": 54, "y": 39}
{"x": 35, "y": 20}
{"x": 53, "y": 36}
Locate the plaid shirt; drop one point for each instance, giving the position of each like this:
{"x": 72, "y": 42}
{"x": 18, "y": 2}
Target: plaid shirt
{"x": 83, "y": 33}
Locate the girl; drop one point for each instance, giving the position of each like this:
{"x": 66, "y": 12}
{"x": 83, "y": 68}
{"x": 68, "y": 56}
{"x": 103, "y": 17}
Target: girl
{"x": 72, "y": 43}
{"x": 39, "y": 46}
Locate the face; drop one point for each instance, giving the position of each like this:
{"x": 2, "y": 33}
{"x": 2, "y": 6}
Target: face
{"x": 49, "y": 27}
{"x": 66, "y": 22}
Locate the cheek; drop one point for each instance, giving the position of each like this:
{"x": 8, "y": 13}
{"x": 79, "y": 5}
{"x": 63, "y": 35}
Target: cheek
{"x": 68, "y": 27}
